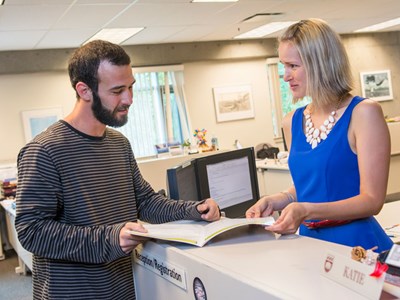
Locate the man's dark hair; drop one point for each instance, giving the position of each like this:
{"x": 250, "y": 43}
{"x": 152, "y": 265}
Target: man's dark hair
{"x": 84, "y": 62}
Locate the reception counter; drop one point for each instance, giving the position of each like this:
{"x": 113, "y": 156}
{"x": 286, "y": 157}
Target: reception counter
{"x": 244, "y": 263}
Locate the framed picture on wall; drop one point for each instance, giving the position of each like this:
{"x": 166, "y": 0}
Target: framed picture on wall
{"x": 377, "y": 85}
{"x": 36, "y": 121}
{"x": 233, "y": 103}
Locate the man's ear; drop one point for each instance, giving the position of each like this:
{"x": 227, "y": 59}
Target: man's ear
{"x": 84, "y": 91}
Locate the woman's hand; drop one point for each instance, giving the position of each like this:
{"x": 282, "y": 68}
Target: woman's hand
{"x": 290, "y": 219}
{"x": 262, "y": 208}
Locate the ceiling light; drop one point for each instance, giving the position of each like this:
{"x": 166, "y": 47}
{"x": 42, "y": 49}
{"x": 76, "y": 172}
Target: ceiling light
{"x": 380, "y": 26}
{"x": 115, "y": 35}
{"x": 262, "y": 18}
{"x": 2, "y": 2}
{"x": 264, "y": 30}
{"x": 194, "y": 1}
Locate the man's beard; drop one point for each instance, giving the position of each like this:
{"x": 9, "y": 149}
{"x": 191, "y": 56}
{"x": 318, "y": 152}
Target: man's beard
{"x": 106, "y": 116}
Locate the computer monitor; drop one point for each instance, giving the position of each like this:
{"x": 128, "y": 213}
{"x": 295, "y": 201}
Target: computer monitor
{"x": 285, "y": 148}
{"x": 182, "y": 182}
{"x": 230, "y": 178}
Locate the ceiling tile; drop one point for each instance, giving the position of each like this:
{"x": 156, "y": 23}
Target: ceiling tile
{"x": 21, "y": 40}
{"x": 66, "y": 23}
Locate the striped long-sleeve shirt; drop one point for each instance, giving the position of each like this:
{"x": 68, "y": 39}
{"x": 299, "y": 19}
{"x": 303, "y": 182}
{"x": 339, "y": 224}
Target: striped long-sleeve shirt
{"x": 75, "y": 193}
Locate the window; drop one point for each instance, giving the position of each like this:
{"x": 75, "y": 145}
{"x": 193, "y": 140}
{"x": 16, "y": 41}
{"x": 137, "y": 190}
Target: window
{"x": 280, "y": 95}
{"x": 158, "y": 114}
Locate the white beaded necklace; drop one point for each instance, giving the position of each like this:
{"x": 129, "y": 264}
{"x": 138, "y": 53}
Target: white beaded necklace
{"x": 315, "y": 135}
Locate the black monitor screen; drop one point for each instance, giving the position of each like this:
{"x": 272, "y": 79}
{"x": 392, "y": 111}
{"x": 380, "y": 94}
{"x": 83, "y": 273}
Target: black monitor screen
{"x": 181, "y": 182}
{"x": 230, "y": 178}
{"x": 284, "y": 140}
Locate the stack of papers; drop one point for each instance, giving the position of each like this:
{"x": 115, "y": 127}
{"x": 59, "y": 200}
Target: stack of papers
{"x": 393, "y": 231}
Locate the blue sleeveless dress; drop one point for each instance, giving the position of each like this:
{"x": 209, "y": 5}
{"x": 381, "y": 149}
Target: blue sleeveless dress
{"x": 330, "y": 173}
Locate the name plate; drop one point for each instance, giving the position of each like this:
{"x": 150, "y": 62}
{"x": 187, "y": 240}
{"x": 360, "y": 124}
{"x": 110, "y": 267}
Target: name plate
{"x": 352, "y": 274}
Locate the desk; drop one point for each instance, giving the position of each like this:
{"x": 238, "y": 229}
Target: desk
{"x": 394, "y": 171}
{"x": 389, "y": 216}
{"x": 275, "y": 177}
{"x": 24, "y": 257}
{"x": 394, "y": 130}
{"x": 154, "y": 171}
{"x": 245, "y": 263}
{"x": 8, "y": 169}
{"x": 1, "y": 241}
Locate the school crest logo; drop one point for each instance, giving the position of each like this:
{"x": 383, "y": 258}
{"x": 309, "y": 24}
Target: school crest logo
{"x": 328, "y": 263}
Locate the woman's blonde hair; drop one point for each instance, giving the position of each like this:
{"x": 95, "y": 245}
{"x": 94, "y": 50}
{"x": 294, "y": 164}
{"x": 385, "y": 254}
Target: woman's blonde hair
{"x": 325, "y": 60}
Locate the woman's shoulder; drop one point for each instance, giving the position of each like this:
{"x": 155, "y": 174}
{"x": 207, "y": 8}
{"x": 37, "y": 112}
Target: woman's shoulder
{"x": 296, "y": 111}
{"x": 367, "y": 108}
{"x": 289, "y": 115}
{"x": 368, "y": 117}
{"x": 287, "y": 119}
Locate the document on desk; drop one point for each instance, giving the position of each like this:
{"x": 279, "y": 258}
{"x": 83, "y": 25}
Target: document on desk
{"x": 197, "y": 233}
{"x": 393, "y": 231}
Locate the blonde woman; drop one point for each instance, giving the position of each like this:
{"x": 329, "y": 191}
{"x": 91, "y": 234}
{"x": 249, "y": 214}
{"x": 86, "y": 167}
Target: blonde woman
{"x": 339, "y": 146}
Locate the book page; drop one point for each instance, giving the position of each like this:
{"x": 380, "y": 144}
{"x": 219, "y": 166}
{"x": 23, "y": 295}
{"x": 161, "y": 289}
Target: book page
{"x": 196, "y": 232}
{"x": 225, "y": 224}
{"x": 189, "y": 232}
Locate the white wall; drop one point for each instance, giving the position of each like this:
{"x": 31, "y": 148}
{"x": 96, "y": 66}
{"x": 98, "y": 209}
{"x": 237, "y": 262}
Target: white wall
{"x": 30, "y": 91}
{"x": 22, "y": 92}
{"x": 202, "y": 77}
{"x": 374, "y": 53}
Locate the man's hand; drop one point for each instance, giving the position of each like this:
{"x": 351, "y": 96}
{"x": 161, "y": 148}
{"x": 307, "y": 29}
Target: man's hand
{"x": 127, "y": 241}
{"x": 209, "y": 210}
